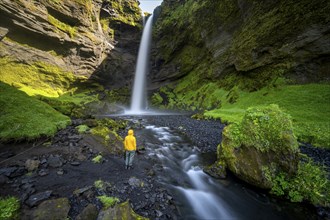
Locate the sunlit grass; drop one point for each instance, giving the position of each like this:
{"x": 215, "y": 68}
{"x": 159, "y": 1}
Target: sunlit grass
{"x": 24, "y": 117}
{"x": 309, "y": 106}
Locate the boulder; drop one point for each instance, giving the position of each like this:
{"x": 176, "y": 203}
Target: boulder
{"x": 263, "y": 144}
{"x": 90, "y": 212}
{"x": 35, "y": 199}
{"x": 120, "y": 211}
{"x": 54, "y": 209}
{"x": 54, "y": 161}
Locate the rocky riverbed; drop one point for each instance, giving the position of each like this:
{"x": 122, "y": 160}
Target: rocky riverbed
{"x": 61, "y": 172}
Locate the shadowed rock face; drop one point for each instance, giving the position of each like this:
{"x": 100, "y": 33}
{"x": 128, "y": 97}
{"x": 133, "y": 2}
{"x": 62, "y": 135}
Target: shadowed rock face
{"x": 73, "y": 35}
{"x": 250, "y": 38}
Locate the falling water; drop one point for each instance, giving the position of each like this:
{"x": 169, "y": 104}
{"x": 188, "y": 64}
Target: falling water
{"x": 138, "y": 102}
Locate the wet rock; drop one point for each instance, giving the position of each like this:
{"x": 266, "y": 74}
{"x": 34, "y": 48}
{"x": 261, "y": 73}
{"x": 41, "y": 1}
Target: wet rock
{"x": 75, "y": 163}
{"x": 7, "y": 171}
{"x": 32, "y": 165}
{"x": 55, "y": 161}
{"x": 134, "y": 182}
{"x": 52, "y": 209}
{"x": 13, "y": 172}
{"x": 216, "y": 170}
{"x": 90, "y": 212}
{"x": 60, "y": 172}
{"x": 82, "y": 190}
{"x": 35, "y": 199}
{"x": 43, "y": 172}
{"x": 159, "y": 213}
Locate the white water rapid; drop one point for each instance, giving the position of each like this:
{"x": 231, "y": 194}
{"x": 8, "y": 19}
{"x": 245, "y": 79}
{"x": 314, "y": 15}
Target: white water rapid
{"x": 139, "y": 102}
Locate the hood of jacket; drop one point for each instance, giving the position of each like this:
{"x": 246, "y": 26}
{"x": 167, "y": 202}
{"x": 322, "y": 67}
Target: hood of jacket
{"x": 130, "y": 132}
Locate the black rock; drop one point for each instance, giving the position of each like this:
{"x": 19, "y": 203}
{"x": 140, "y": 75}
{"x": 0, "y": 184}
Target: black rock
{"x": 75, "y": 163}
{"x": 35, "y": 199}
{"x": 55, "y": 161}
{"x": 3, "y": 179}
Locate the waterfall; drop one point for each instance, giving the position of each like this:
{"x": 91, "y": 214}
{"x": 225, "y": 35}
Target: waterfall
{"x": 139, "y": 102}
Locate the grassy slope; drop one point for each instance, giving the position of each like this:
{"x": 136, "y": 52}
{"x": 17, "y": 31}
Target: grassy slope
{"x": 307, "y": 104}
{"x": 24, "y": 117}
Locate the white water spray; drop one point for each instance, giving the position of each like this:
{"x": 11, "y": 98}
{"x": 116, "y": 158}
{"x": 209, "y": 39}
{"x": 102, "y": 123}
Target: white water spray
{"x": 138, "y": 102}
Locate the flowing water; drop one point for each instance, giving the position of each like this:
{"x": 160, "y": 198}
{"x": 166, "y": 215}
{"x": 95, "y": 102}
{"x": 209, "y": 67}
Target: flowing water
{"x": 199, "y": 196}
{"x": 138, "y": 102}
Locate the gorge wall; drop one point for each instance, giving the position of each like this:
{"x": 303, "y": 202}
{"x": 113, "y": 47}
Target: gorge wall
{"x": 65, "y": 40}
{"x": 245, "y": 43}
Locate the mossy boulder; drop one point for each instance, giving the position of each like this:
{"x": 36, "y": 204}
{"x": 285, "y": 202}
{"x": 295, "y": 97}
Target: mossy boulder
{"x": 120, "y": 211}
{"x": 52, "y": 209}
{"x": 108, "y": 138}
{"x": 264, "y": 137}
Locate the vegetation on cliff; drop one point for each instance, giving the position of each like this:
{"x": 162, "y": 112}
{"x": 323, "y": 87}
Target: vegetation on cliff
{"x": 242, "y": 55}
{"x": 38, "y": 78}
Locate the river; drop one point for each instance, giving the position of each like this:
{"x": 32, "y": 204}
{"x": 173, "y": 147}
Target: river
{"x": 178, "y": 164}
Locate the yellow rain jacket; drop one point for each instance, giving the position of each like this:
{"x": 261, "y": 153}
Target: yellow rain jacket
{"x": 130, "y": 141}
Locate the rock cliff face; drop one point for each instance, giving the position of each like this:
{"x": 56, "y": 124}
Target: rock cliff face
{"x": 89, "y": 38}
{"x": 244, "y": 40}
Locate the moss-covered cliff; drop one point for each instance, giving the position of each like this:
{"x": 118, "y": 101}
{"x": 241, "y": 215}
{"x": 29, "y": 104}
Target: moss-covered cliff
{"x": 77, "y": 36}
{"x": 59, "y": 51}
{"x": 217, "y": 55}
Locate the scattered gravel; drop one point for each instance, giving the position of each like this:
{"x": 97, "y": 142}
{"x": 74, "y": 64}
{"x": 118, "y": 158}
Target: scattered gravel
{"x": 205, "y": 134}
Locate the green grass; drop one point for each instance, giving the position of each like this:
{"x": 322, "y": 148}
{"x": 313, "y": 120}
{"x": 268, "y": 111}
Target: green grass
{"x": 70, "y": 104}
{"x": 9, "y": 208}
{"x": 308, "y": 105}
{"x": 24, "y": 117}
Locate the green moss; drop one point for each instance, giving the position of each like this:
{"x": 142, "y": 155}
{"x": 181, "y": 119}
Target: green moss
{"x": 38, "y": 78}
{"x": 101, "y": 131}
{"x": 97, "y": 159}
{"x": 82, "y": 129}
{"x": 71, "y": 104}
{"x": 268, "y": 128}
{"x": 101, "y": 185}
{"x": 309, "y": 184}
{"x": 108, "y": 201}
{"x": 9, "y": 208}
{"x": 62, "y": 26}
{"x": 127, "y": 12}
{"x": 24, "y": 117}
{"x": 307, "y": 104}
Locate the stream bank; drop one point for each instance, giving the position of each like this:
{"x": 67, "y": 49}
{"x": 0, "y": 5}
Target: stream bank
{"x": 66, "y": 170}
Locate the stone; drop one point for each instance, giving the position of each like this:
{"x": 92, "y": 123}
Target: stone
{"x": 8, "y": 171}
{"x": 120, "y": 211}
{"x": 216, "y": 170}
{"x": 32, "y": 165}
{"x": 78, "y": 192}
{"x": 43, "y": 172}
{"x": 3, "y": 179}
{"x": 75, "y": 163}
{"x": 90, "y": 212}
{"x": 54, "y": 209}
{"x": 134, "y": 182}
{"x": 54, "y": 161}
{"x": 60, "y": 172}
{"x": 35, "y": 199}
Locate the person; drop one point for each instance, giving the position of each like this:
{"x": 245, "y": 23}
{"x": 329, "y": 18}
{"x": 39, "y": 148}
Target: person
{"x": 130, "y": 148}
